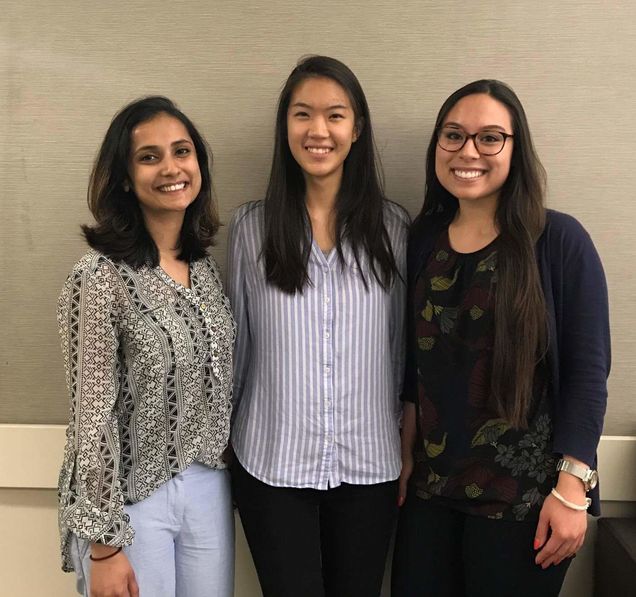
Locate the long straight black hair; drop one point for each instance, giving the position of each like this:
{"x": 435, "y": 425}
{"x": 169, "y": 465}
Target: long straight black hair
{"x": 359, "y": 203}
{"x": 120, "y": 231}
{"x": 520, "y": 311}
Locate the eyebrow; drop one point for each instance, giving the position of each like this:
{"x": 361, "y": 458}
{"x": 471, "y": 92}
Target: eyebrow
{"x": 333, "y": 107}
{"x": 483, "y": 128}
{"x": 156, "y": 147}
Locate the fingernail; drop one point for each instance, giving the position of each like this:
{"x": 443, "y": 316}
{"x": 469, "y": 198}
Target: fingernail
{"x": 537, "y": 544}
{"x": 400, "y": 500}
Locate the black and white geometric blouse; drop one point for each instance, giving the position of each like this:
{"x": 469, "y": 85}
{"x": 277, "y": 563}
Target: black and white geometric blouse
{"x": 149, "y": 374}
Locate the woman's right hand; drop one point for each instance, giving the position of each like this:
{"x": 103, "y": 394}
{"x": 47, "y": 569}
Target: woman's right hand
{"x": 408, "y": 444}
{"x": 113, "y": 577}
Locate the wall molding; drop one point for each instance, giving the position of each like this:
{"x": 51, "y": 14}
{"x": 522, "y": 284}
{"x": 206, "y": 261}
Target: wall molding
{"x": 30, "y": 458}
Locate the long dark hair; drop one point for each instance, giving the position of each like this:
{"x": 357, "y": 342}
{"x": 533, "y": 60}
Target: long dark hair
{"x": 120, "y": 231}
{"x": 520, "y": 311}
{"x": 359, "y": 203}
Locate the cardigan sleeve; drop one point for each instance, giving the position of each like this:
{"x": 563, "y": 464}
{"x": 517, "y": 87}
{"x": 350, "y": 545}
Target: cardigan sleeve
{"x": 582, "y": 321}
{"x": 90, "y": 495}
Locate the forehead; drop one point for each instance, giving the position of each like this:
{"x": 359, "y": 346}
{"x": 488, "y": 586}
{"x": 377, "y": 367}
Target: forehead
{"x": 320, "y": 92}
{"x": 479, "y": 110}
{"x": 161, "y": 129}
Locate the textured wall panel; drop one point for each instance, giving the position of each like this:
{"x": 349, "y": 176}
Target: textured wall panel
{"x": 65, "y": 67}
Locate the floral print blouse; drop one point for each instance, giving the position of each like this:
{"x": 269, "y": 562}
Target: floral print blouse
{"x": 466, "y": 456}
{"x": 149, "y": 374}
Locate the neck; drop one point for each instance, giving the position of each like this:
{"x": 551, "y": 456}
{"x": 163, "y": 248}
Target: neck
{"x": 164, "y": 230}
{"x": 478, "y": 215}
{"x": 320, "y": 194}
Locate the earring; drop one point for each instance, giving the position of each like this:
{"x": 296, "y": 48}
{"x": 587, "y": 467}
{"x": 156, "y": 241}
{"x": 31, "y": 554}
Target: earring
{"x": 126, "y": 188}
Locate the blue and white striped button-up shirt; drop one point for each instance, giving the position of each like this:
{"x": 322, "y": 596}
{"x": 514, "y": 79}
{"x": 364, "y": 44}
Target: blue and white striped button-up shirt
{"x": 318, "y": 374}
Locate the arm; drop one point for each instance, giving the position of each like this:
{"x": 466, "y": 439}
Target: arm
{"x": 398, "y": 309}
{"x": 91, "y": 500}
{"x": 584, "y": 346}
{"x": 584, "y": 360}
{"x": 239, "y": 301}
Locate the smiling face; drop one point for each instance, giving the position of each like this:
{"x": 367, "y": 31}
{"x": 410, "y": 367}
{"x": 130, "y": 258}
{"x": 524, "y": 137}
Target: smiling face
{"x": 320, "y": 127}
{"x": 163, "y": 169}
{"x": 466, "y": 173}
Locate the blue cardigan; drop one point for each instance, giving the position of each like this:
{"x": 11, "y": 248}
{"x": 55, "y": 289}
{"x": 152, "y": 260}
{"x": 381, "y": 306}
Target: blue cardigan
{"x": 575, "y": 292}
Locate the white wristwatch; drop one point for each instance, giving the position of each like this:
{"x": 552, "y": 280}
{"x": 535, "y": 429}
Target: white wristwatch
{"x": 588, "y": 475}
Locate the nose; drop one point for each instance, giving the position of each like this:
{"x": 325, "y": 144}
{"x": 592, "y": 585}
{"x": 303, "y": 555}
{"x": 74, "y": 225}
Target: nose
{"x": 469, "y": 150}
{"x": 318, "y": 127}
{"x": 169, "y": 166}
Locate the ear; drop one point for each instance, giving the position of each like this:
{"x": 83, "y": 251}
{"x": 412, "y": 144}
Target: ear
{"x": 357, "y": 129}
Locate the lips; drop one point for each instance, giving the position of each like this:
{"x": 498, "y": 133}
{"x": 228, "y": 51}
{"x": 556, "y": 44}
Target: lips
{"x": 318, "y": 150}
{"x": 171, "y": 188}
{"x": 466, "y": 174}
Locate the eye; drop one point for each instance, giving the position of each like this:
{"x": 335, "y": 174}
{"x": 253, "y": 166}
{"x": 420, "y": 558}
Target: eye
{"x": 301, "y": 115}
{"x": 336, "y": 116}
{"x": 490, "y": 137}
{"x": 147, "y": 157}
{"x": 453, "y": 135}
{"x": 183, "y": 151}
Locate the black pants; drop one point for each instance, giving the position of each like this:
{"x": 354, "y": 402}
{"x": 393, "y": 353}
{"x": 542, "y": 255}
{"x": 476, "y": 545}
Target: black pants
{"x": 313, "y": 543}
{"x": 440, "y": 552}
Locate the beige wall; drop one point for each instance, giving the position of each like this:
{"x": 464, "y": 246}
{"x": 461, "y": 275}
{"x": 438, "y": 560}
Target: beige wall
{"x": 67, "y": 66}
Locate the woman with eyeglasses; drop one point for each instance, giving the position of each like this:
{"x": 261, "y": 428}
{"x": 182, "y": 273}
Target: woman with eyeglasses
{"x": 507, "y": 361}
{"x": 317, "y": 283}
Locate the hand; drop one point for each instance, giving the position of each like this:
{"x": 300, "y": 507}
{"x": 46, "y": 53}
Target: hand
{"x": 567, "y": 526}
{"x": 408, "y": 446}
{"x": 113, "y": 577}
{"x": 405, "y": 475}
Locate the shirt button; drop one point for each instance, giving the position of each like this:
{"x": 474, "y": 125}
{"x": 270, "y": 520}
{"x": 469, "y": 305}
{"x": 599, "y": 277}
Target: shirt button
{"x": 327, "y": 370}
{"x": 203, "y": 306}
{"x": 327, "y": 335}
{"x": 327, "y": 299}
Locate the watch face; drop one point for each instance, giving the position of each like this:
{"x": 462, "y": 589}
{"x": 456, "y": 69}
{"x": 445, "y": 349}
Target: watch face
{"x": 593, "y": 479}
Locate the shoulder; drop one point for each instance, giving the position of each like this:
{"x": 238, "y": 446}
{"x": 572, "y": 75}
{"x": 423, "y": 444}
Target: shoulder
{"x": 95, "y": 265}
{"x": 395, "y": 214}
{"x": 247, "y": 214}
{"x": 565, "y": 234}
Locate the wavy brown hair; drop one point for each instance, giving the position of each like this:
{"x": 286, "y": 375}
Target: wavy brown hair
{"x": 120, "y": 231}
{"x": 520, "y": 340}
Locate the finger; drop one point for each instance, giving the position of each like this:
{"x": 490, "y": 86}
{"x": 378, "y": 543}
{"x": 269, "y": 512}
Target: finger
{"x": 133, "y": 587}
{"x": 548, "y": 551}
{"x": 542, "y": 532}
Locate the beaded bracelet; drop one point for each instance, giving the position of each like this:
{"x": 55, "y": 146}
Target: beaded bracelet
{"x": 571, "y": 505}
{"x": 110, "y": 555}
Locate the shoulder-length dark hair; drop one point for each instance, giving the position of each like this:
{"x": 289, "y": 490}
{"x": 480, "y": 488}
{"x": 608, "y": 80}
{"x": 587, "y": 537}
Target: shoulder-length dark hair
{"x": 359, "y": 203}
{"x": 120, "y": 231}
{"x": 520, "y": 311}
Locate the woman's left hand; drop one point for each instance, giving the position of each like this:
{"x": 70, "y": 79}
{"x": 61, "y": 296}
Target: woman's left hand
{"x": 564, "y": 526}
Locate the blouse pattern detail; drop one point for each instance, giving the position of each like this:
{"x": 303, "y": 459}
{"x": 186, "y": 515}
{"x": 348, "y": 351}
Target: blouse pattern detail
{"x": 467, "y": 457}
{"x": 149, "y": 374}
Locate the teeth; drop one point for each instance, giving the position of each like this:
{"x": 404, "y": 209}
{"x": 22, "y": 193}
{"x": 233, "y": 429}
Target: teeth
{"x": 173, "y": 187}
{"x": 468, "y": 173}
{"x": 319, "y": 149}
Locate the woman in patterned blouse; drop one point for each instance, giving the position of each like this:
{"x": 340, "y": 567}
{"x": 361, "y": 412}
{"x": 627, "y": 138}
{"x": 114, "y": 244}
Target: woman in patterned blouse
{"x": 147, "y": 337}
{"x": 507, "y": 362}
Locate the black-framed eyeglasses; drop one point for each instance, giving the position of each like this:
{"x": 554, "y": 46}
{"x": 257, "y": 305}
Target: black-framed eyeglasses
{"x": 486, "y": 142}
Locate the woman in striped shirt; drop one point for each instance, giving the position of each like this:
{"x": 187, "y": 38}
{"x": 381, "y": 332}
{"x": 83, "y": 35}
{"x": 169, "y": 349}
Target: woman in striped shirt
{"x": 316, "y": 281}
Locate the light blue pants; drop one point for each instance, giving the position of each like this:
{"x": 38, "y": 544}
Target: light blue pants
{"x": 184, "y": 538}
